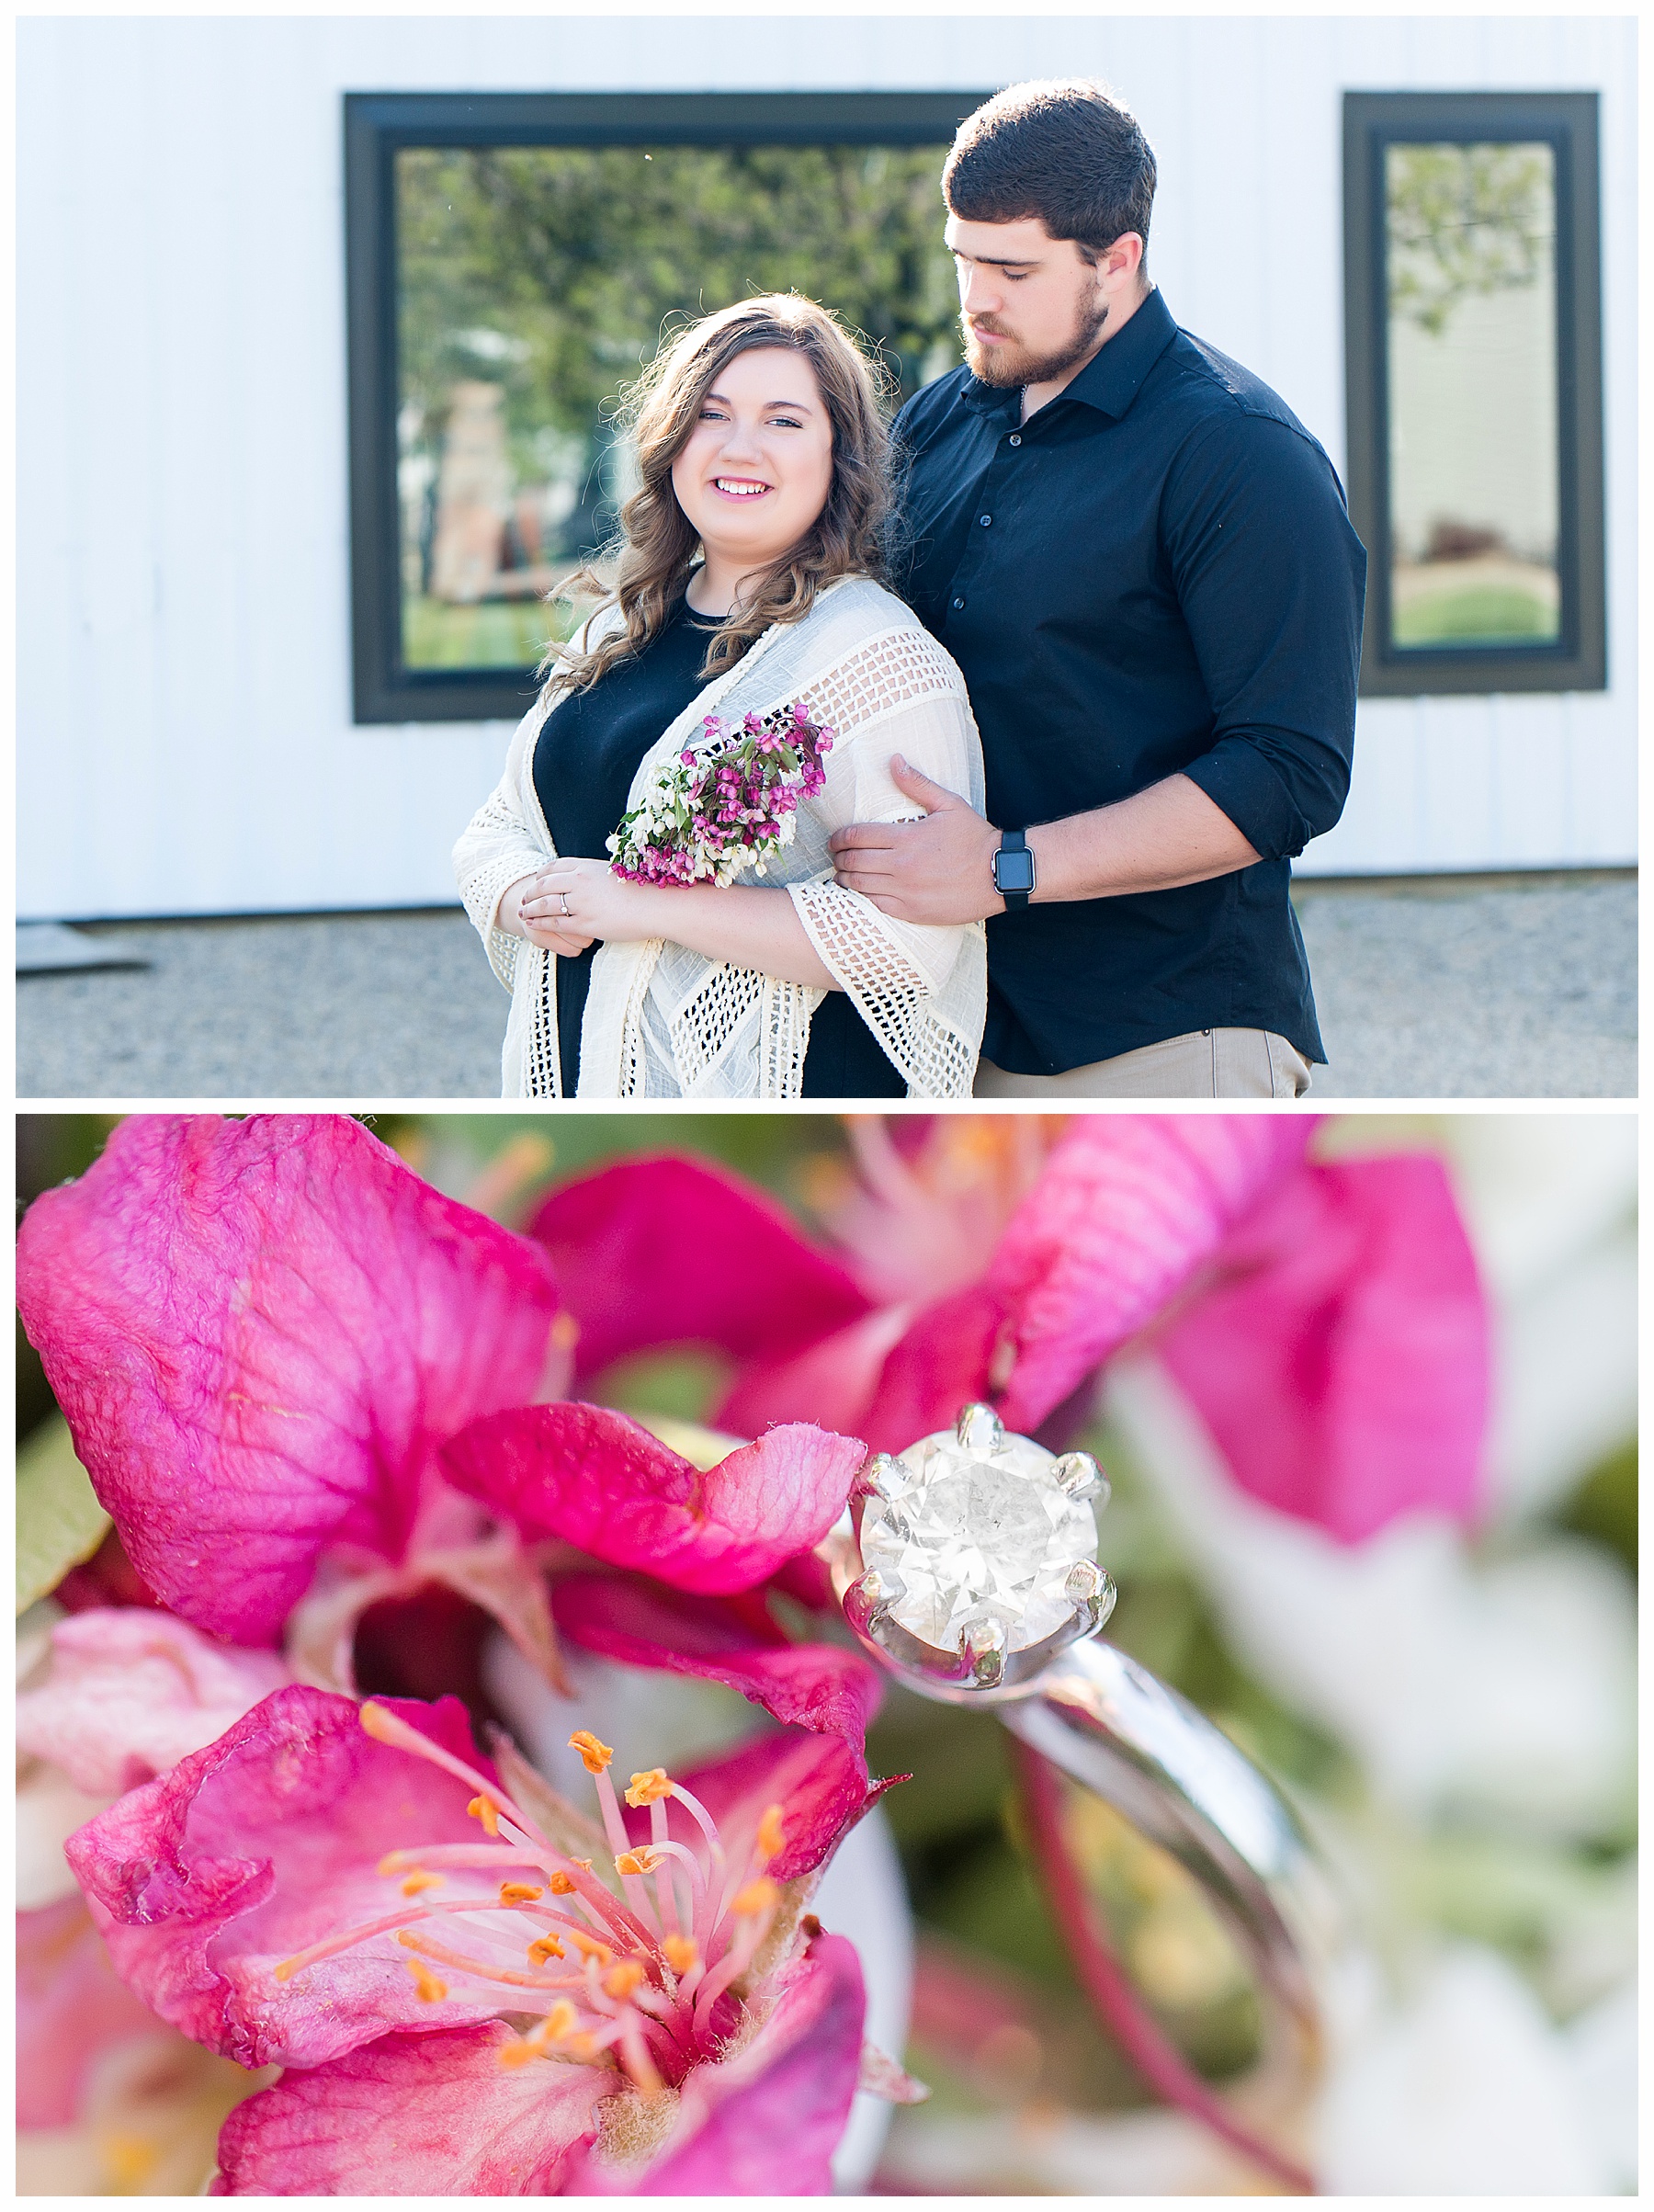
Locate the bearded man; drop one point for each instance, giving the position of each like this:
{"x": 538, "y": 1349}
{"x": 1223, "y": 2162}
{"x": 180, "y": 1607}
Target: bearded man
{"x": 1143, "y": 563}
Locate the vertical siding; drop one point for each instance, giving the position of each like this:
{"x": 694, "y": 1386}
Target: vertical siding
{"x": 185, "y": 733}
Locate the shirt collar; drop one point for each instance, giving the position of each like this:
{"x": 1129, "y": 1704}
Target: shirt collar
{"x": 1109, "y": 383}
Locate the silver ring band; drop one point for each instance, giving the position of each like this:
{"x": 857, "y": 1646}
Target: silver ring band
{"x": 1007, "y": 1615}
{"x": 1120, "y": 1732}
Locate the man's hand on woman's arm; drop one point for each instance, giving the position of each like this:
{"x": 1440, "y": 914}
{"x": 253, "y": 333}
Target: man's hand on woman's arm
{"x": 941, "y": 869}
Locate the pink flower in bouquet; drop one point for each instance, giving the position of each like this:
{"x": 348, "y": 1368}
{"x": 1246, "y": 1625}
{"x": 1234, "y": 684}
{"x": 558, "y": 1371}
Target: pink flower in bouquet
{"x": 1325, "y": 1318}
{"x": 708, "y": 820}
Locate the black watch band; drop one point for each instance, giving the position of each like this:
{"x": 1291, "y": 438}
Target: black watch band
{"x": 1013, "y": 876}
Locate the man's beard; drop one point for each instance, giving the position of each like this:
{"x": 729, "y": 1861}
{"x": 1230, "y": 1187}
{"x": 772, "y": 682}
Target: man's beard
{"x": 1010, "y": 364}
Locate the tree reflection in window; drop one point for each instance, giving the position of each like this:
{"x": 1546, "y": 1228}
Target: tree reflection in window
{"x": 532, "y": 282}
{"x": 1474, "y": 444}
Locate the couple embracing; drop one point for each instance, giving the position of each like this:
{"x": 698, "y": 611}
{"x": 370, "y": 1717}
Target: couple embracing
{"x": 967, "y": 756}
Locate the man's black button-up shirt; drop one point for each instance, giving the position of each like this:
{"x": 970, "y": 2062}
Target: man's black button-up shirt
{"x": 1154, "y": 574}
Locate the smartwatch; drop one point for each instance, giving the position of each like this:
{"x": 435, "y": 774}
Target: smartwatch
{"x": 1013, "y": 868}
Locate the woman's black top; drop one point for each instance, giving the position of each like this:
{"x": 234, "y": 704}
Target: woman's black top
{"x": 584, "y": 759}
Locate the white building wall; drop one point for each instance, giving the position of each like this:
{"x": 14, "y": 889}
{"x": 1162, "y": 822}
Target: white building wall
{"x": 185, "y": 739}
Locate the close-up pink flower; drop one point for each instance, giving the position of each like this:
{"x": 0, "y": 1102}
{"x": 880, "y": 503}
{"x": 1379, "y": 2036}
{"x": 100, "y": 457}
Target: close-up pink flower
{"x": 347, "y": 1427}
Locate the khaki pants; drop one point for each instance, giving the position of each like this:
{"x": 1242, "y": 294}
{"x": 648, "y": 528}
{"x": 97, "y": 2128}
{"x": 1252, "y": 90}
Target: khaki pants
{"x": 1206, "y": 1063}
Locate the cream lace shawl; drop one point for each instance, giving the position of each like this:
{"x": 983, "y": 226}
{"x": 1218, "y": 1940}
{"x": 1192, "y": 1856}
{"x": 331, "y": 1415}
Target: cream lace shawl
{"x": 663, "y": 1022}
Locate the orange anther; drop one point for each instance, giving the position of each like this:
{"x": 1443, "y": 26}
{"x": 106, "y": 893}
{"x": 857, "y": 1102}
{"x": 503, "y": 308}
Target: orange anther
{"x": 680, "y": 1952}
{"x": 487, "y": 1811}
{"x": 287, "y": 1969}
{"x": 621, "y": 1981}
{"x": 378, "y": 1723}
{"x": 596, "y": 1756}
{"x": 544, "y": 1947}
{"x": 519, "y": 2053}
{"x": 519, "y": 1893}
{"x": 760, "y": 1895}
{"x": 772, "y": 1835}
{"x": 636, "y": 1862}
{"x": 561, "y": 1886}
{"x": 416, "y": 1882}
{"x": 558, "y": 2023}
{"x": 428, "y": 1989}
{"x": 645, "y": 1788}
{"x": 589, "y": 1947}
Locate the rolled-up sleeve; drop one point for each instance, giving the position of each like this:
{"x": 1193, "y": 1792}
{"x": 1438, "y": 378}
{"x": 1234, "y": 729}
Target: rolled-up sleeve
{"x": 1270, "y": 578}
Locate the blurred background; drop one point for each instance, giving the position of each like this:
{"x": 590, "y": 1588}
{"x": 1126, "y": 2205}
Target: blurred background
{"x": 289, "y": 544}
{"x": 1452, "y": 1714}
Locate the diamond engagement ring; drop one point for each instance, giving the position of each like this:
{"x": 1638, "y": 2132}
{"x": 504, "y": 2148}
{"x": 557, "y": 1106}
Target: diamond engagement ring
{"x": 965, "y": 1565}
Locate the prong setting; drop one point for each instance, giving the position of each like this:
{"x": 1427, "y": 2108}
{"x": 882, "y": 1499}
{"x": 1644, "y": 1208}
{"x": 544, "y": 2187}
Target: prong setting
{"x": 1078, "y": 1477}
{"x": 979, "y": 1428}
{"x": 1092, "y": 1593}
{"x": 969, "y": 1566}
{"x": 880, "y": 1478}
{"x": 983, "y": 1647}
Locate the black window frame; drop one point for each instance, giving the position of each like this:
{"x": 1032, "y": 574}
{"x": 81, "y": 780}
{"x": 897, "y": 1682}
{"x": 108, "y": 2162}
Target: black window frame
{"x": 377, "y": 126}
{"x": 1567, "y": 122}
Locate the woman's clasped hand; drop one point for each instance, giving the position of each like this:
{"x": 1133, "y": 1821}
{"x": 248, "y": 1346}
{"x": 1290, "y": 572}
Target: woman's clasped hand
{"x": 571, "y": 904}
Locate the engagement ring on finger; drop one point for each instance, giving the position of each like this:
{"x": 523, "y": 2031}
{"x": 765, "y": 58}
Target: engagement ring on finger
{"x": 564, "y": 897}
{"x": 965, "y": 1565}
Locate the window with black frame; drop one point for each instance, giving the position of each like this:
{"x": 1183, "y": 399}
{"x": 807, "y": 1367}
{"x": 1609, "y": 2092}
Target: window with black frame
{"x": 1474, "y": 372}
{"x": 513, "y": 262}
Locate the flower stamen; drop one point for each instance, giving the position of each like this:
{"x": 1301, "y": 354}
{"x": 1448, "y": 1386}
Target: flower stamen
{"x": 484, "y": 1968}
{"x": 427, "y": 1987}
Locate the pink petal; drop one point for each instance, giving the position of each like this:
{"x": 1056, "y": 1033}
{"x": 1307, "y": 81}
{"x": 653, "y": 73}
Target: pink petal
{"x": 259, "y": 1846}
{"x": 832, "y": 1382}
{"x": 131, "y": 1691}
{"x": 767, "y": 2121}
{"x": 1341, "y": 1361}
{"x": 415, "y": 2115}
{"x": 670, "y": 1251}
{"x": 71, "y": 2006}
{"x": 944, "y": 1361}
{"x": 258, "y": 1331}
{"x": 820, "y": 1782}
{"x": 815, "y": 1686}
{"x": 597, "y": 1479}
{"x": 1124, "y": 1210}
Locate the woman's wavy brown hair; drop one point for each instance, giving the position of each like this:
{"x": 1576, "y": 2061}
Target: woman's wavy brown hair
{"x": 657, "y": 544}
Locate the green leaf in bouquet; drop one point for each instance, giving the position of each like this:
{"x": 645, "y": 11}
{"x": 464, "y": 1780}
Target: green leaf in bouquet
{"x": 60, "y": 1521}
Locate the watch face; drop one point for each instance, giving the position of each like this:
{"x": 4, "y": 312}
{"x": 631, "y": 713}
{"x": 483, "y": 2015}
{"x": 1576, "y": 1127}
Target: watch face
{"x": 1012, "y": 870}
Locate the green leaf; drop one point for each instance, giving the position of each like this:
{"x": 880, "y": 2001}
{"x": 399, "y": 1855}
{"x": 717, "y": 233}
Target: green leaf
{"x": 59, "y": 1522}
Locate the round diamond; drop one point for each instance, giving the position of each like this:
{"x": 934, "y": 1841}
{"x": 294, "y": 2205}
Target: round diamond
{"x": 973, "y": 1532}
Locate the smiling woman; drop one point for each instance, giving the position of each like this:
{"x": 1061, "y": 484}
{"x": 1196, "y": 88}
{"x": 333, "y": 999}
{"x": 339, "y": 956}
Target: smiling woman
{"x": 748, "y": 638}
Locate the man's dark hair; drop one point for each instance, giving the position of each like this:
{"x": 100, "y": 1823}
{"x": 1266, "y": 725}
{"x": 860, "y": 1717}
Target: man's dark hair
{"x": 1064, "y": 149}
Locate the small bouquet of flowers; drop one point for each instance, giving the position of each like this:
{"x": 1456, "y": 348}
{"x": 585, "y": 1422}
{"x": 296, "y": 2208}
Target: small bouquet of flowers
{"x": 709, "y": 815}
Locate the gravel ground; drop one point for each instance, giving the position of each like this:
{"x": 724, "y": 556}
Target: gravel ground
{"x": 1455, "y": 990}
{"x": 1450, "y": 989}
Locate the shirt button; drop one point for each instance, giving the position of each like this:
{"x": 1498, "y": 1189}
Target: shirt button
{"x": 958, "y": 604}
{"x": 1016, "y": 438}
{"x": 984, "y": 520}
